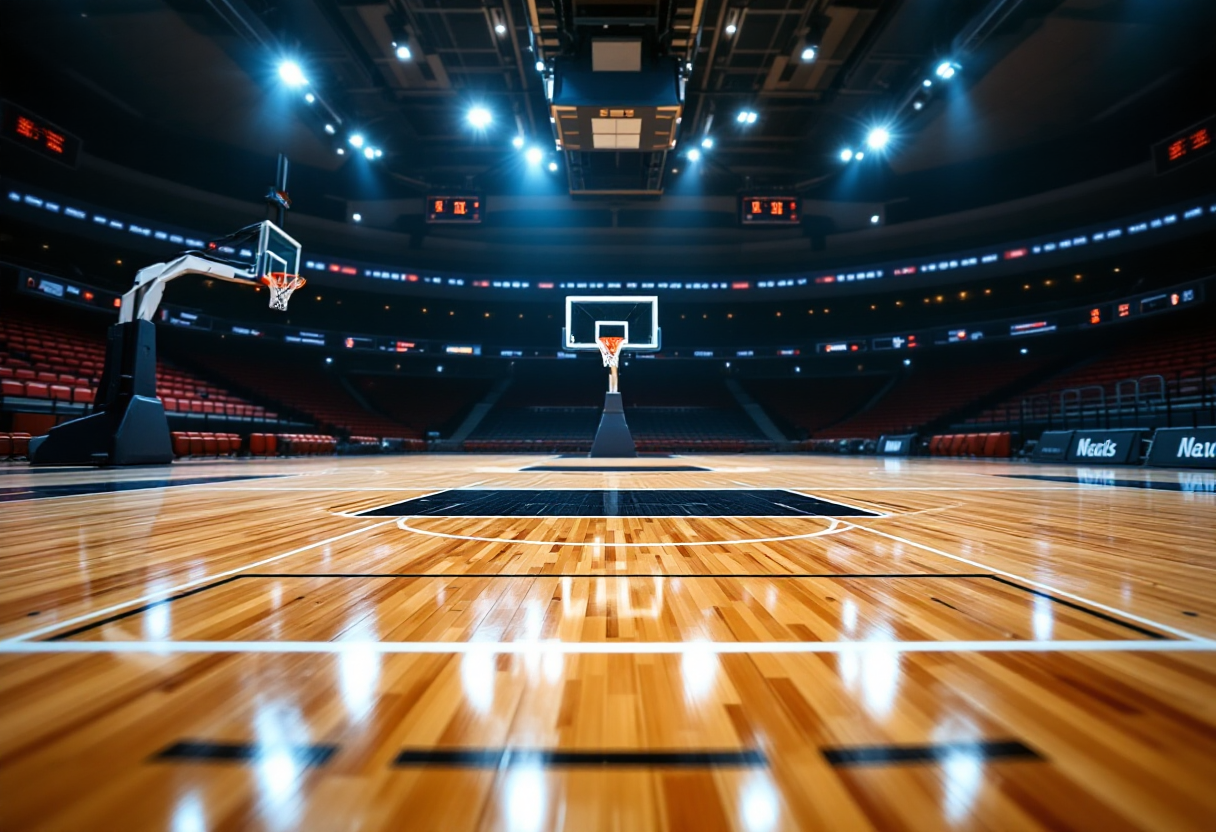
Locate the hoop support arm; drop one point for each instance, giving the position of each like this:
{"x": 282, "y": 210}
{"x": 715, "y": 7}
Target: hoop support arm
{"x": 142, "y": 300}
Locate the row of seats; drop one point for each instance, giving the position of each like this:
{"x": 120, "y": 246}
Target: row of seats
{"x": 196, "y": 444}
{"x": 14, "y": 445}
{"x": 972, "y": 444}
{"x": 43, "y": 390}
{"x": 291, "y": 444}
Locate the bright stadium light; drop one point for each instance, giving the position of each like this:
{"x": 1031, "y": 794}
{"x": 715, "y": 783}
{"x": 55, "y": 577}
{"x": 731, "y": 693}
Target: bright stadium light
{"x": 356, "y": 140}
{"x": 927, "y": 82}
{"x": 553, "y": 167}
{"x": 858, "y": 156}
{"x": 341, "y": 151}
{"x": 694, "y": 155}
{"x": 329, "y": 128}
{"x": 846, "y": 155}
{"x": 540, "y": 66}
{"x": 369, "y": 153}
{"x": 310, "y": 98}
{"x": 877, "y": 138}
{"x": 402, "y": 52}
{"x": 707, "y": 143}
{"x": 517, "y": 142}
{"x": 747, "y": 117}
{"x": 874, "y": 218}
{"x": 291, "y": 74}
{"x": 534, "y": 156}
{"x": 500, "y": 28}
{"x": 946, "y": 70}
{"x": 809, "y": 53}
{"x": 356, "y": 217}
{"x": 480, "y": 117}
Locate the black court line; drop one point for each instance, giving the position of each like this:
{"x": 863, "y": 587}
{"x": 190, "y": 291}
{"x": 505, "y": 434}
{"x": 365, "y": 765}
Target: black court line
{"x": 504, "y": 757}
{"x": 1110, "y": 619}
{"x": 42, "y": 492}
{"x": 612, "y": 502}
{"x": 244, "y": 752}
{"x": 1198, "y": 486}
{"x": 141, "y": 609}
{"x": 885, "y": 755}
{"x": 617, "y": 469}
{"x": 641, "y": 455}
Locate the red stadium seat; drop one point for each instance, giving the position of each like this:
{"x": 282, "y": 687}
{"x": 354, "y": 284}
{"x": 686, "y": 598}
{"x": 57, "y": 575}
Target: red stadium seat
{"x": 36, "y": 390}
{"x": 181, "y": 443}
{"x": 82, "y": 395}
{"x": 196, "y": 444}
{"x": 12, "y": 388}
{"x": 6, "y": 446}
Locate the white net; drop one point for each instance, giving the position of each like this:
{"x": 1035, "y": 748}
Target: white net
{"x": 610, "y": 348}
{"x": 281, "y": 285}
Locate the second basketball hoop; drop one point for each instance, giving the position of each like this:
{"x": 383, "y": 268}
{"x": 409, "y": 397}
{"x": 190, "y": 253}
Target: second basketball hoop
{"x": 612, "y": 325}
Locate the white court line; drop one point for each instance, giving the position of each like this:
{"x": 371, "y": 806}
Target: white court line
{"x": 163, "y": 594}
{"x": 1045, "y": 587}
{"x": 602, "y": 647}
{"x": 836, "y": 526}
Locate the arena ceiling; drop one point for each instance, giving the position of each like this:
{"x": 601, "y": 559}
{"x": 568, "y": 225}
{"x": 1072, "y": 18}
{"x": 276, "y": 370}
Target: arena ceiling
{"x": 1048, "y": 91}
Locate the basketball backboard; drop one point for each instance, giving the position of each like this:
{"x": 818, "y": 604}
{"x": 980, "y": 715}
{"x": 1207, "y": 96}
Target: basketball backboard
{"x": 591, "y": 317}
{"x": 277, "y": 252}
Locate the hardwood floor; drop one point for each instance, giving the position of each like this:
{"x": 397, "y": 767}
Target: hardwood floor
{"x": 893, "y": 645}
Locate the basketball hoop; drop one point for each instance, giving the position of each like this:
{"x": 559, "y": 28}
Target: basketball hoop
{"x": 610, "y": 348}
{"x": 281, "y": 286}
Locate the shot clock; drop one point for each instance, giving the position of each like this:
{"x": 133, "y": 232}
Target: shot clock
{"x": 457, "y": 209}
{"x": 770, "y": 210}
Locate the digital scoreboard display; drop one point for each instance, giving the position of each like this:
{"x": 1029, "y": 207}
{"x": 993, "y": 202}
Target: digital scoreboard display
{"x": 35, "y": 133}
{"x": 771, "y": 210}
{"x": 1185, "y": 147}
{"x": 454, "y": 209}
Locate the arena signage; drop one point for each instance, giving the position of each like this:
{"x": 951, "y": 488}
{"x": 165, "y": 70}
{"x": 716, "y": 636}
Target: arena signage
{"x": 897, "y": 445}
{"x": 1118, "y": 447}
{"x": 1184, "y": 448}
{"x": 1053, "y": 446}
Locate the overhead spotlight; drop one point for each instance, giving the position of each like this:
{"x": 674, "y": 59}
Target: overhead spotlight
{"x": 500, "y": 28}
{"x": 731, "y": 28}
{"x": 540, "y": 66}
{"x": 402, "y": 51}
{"x": 517, "y": 142}
{"x": 534, "y": 156}
{"x": 809, "y": 53}
{"x": 500, "y": 25}
{"x": 732, "y": 22}
{"x": 329, "y": 128}
{"x": 874, "y": 218}
{"x": 746, "y": 117}
{"x": 369, "y": 153}
{"x": 1023, "y": 351}
{"x": 356, "y": 217}
{"x": 907, "y": 362}
{"x": 846, "y": 155}
{"x": 707, "y": 142}
{"x": 553, "y": 167}
{"x": 946, "y": 70}
{"x": 927, "y": 83}
{"x": 379, "y": 153}
{"x": 310, "y": 98}
{"x": 480, "y": 117}
{"x": 858, "y": 156}
{"x": 341, "y": 151}
{"x": 291, "y": 74}
{"x": 688, "y": 66}
{"x": 918, "y": 104}
{"x": 877, "y": 138}
{"x": 694, "y": 155}
{"x": 355, "y": 140}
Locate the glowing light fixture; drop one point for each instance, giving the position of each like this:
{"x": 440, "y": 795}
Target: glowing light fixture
{"x": 517, "y": 142}
{"x": 329, "y": 128}
{"x": 291, "y": 74}
{"x": 356, "y": 217}
{"x": 747, "y": 117}
{"x": 553, "y": 167}
{"x": 694, "y": 155}
{"x": 355, "y": 140}
{"x": 540, "y": 66}
{"x": 500, "y": 28}
{"x": 809, "y": 53}
{"x": 846, "y": 155}
{"x": 534, "y": 156}
{"x": 402, "y": 51}
{"x": 878, "y": 138}
{"x": 946, "y": 70}
{"x": 310, "y": 98}
{"x": 480, "y": 117}
{"x": 369, "y": 153}
{"x": 707, "y": 142}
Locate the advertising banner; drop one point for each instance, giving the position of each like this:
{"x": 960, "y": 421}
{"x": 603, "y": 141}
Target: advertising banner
{"x": 897, "y": 445}
{"x": 1184, "y": 448}
{"x": 1053, "y": 446}
{"x": 1117, "y": 447}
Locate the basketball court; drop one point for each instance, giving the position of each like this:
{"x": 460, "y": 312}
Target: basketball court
{"x": 444, "y": 642}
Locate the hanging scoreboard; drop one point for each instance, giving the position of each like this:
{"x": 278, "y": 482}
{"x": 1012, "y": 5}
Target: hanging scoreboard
{"x": 457, "y": 209}
{"x": 770, "y": 210}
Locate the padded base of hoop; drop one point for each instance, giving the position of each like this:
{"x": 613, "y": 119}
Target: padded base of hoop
{"x": 613, "y": 438}
{"x": 132, "y": 432}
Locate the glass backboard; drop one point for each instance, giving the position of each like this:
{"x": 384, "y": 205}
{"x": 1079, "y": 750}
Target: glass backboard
{"x": 277, "y": 252}
{"x": 591, "y": 317}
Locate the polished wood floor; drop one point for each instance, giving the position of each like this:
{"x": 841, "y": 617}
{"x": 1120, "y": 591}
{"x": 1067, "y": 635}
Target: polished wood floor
{"x": 238, "y": 646}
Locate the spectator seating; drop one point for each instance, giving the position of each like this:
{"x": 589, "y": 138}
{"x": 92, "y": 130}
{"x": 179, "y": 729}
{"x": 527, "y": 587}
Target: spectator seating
{"x": 927, "y": 394}
{"x": 805, "y": 406}
{"x": 423, "y": 403}
{"x": 1179, "y": 354}
{"x": 204, "y": 444}
{"x": 14, "y": 445}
